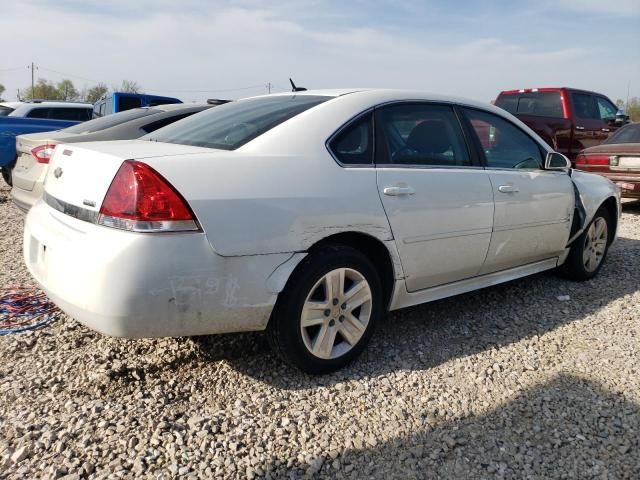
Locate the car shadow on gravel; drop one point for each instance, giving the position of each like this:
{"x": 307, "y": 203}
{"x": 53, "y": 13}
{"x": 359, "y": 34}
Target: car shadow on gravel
{"x": 566, "y": 428}
{"x": 631, "y": 207}
{"x": 425, "y": 336}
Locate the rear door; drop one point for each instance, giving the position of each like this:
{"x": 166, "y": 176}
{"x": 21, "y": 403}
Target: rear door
{"x": 533, "y": 207}
{"x": 437, "y": 197}
{"x": 589, "y": 128}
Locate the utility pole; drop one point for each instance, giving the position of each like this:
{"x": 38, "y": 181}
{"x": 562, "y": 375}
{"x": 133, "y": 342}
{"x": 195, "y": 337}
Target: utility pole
{"x": 33, "y": 68}
{"x": 269, "y": 87}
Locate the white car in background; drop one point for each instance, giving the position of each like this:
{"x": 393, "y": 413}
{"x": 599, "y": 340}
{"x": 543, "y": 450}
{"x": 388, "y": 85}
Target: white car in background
{"x": 7, "y": 107}
{"x": 309, "y": 214}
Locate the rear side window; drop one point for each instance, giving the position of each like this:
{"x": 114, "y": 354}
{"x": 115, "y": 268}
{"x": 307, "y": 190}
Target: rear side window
{"x": 233, "y": 124}
{"x": 420, "y": 134}
{"x": 627, "y": 134}
{"x": 152, "y": 127}
{"x": 4, "y": 111}
{"x": 584, "y": 106}
{"x": 354, "y": 144}
{"x": 127, "y": 103}
{"x": 74, "y": 114}
{"x": 39, "y": 113}
{"x": 541, "y": 104}
{"x": 111, "y": 120}
{"x": 504, "y": 145}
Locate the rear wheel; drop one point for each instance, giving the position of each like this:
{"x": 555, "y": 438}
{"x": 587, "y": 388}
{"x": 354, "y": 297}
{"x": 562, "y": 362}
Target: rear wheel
{"x": 590, "y": 249}
{"x": 7, "y": 174}
{"x": 325, "y": 316}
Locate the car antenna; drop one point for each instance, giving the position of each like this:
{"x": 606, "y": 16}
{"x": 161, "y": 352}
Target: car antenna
{"x": 296, "y": 89}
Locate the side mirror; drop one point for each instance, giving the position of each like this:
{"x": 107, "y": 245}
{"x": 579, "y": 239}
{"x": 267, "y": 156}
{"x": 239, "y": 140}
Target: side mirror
{"x": 621, "y": 118}
{"x": 556, "y": 161}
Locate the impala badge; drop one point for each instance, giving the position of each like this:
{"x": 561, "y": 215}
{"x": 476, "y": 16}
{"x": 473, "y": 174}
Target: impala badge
{"x": 57, "y": 172}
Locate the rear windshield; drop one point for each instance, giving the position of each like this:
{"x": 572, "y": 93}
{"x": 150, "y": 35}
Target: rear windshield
{"x": 626, "y": 134}
{"x": 541, "y": 104}
{"x": 233, "y": 124}
{"x": 113, "y": 120}
{"x": 4, "y": 111}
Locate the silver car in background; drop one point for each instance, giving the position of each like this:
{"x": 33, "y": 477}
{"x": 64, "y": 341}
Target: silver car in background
{"x": 35, "y": 150}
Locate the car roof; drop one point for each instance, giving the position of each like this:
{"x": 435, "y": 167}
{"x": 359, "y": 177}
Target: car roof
{"x": 382, "y": 95}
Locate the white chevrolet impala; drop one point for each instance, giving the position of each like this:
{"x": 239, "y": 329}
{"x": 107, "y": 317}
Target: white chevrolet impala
{"x": 309, "y": 214}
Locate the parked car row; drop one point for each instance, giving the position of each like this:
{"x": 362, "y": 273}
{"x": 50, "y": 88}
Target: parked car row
{"x": 35, "y": 150}
{"x": 20, "y": 118}
{"x": 306, "y": 214}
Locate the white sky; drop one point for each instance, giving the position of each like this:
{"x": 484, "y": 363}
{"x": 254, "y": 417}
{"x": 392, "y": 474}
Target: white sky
{"x": 197, "y": 49}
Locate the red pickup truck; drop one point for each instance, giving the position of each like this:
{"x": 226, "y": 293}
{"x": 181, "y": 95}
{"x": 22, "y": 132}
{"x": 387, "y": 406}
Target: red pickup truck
{"x": 569, "y": 120}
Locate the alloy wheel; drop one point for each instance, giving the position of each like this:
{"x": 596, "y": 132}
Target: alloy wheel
{"x": 595, "y": 244}
{"x": 336, "y": 313}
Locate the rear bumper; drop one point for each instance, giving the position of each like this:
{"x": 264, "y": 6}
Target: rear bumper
{"x": 145, "y": 285}
{"x": 24, "y": 199}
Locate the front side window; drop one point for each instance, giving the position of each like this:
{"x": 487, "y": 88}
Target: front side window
{"x": 354, "y": 144}
{"x": 606, "y": 110}
{"x": 504, "y": 145}
{"x": 73, "y": 114}
{"x": 584, "y": 106}
{"x": 421, "y": 134}
{"x": 233, "y": 124}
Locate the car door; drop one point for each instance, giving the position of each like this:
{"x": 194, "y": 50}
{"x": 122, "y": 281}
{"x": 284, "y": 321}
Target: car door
{"x": 589, "y": 129}
{"x": 437, "y": 197}
{"x": 607, "y": 112}
{"x": 533, "y": 207}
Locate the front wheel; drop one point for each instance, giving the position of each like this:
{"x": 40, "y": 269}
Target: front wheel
{"x": 328, "y": 310}
{"x": 589, "y": 250}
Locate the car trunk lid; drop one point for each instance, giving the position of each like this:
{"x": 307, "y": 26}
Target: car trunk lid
{"x": 80, "y": 174}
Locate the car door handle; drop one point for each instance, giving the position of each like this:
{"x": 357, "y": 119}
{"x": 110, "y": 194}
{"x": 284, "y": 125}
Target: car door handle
{"x": 397, "y": 191}
{"x": 578, "y": 127}
{"x": 508, "y": 189}
{"x": 606, "y": 130}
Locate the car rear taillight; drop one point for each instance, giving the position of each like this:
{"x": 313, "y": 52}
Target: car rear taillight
{"x": 592, "y": 160}
{"x": 43, "y": 153}
{"x": 139, "y": 199}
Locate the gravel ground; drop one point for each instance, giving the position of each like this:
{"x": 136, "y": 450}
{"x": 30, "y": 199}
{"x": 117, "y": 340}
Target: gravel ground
{"x": 507, "y": 382}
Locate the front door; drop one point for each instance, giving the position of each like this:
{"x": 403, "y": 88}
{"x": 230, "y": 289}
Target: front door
{"x": 437, "y": 197}
{"x": 533, "y": 207}
{"x": 589, "y": 129}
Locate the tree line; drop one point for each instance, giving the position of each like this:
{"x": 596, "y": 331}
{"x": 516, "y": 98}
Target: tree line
{"x": 65, "y": 90}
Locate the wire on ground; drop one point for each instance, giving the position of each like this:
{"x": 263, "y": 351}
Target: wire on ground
{"x": 25, "y": 308}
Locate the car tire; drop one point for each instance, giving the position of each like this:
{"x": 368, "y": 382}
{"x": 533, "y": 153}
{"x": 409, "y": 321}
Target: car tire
{"x": 328, "y": 310}
{"x": 589, "y": 250}
{"x": 6, "y": 174}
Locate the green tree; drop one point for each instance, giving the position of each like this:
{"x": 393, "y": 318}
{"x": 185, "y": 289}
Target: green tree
{"x": 1, "y": 92}
{"x": 95, "y": 93}
{"x": 43, "y": 90}
{"x": 633, "y": 109}
{"x": 620, "y": 103}
{"x": 130, "y": 86}
{"x": 67, "y": 91}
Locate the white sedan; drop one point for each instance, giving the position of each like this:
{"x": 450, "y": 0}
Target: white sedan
{"x": 309, "y": 214}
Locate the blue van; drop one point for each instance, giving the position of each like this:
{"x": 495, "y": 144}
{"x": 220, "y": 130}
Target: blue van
{"x": 121, "y": 101}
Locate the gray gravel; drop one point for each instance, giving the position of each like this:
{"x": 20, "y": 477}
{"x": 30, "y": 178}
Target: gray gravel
{"x": 538, "y": 378}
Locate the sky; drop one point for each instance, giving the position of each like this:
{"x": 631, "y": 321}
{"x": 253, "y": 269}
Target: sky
{"x": 198, "y": 49}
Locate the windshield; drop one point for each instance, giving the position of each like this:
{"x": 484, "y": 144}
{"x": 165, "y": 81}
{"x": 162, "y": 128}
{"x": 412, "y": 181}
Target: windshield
{"x": 113, "y": 120}
{"x": 627, "y": 134}
{"x": 232, "y": 125}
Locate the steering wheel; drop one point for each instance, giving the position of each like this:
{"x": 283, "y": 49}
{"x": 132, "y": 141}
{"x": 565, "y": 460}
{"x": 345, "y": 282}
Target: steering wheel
{"x": 410, "y": 152}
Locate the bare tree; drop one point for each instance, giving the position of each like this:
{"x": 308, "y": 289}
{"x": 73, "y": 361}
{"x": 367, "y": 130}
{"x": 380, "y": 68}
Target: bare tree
{"x": 95, "y": 93}
{"x": 130, "y": 86}
{"x": 1, "y": 92}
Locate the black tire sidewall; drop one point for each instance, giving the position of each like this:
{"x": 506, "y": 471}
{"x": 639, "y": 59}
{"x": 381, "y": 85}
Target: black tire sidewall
{"x": 285, "y": 321}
